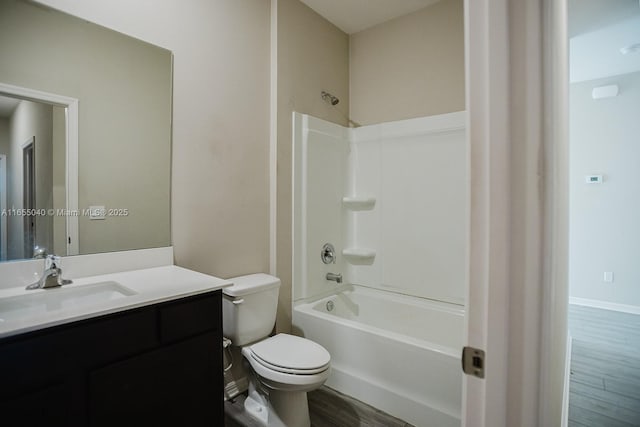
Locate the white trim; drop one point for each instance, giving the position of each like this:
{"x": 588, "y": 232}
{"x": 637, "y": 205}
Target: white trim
{"x": 300, "y": 127}
{"x": 273, "y": 142}
{"x": 3, "y": 207}
{"x": 487, "y": 101}
{"x": 28, "y": 142}
{"x": 567, "y": 380}
{"x": 436, "y": 124}
{"x": 553, "y": 316}
{"x": 324, "y": 127}
{"x": 605, "y": 305}
{"x": 73, "y": 232}
{"x": 71, "y": 166}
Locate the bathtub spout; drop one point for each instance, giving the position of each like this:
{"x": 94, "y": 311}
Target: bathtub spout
{"x": 335, "y": 277}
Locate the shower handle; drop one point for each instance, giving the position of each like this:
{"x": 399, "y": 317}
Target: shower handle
{"x": 328, "y": 254}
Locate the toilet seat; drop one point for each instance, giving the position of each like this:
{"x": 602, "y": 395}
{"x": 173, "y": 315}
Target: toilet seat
{"x": 291, "y": 355}
{"x": 286, "y": 361}
{"x": 288, "y": 370}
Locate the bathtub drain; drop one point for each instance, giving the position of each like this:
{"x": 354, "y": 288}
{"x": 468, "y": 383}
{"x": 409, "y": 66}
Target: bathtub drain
{"x": 330, "y": 305}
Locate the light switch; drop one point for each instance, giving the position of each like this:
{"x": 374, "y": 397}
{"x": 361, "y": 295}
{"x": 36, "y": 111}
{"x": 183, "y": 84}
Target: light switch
{"x": 97, "y": 212}
{"x": 608, "y": 276}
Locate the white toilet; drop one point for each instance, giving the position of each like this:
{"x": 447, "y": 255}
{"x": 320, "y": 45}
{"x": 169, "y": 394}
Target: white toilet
{"x": 283, "y": 368}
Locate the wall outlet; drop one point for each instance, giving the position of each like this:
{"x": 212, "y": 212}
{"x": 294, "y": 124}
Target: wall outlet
{"x": 608, "y": 277}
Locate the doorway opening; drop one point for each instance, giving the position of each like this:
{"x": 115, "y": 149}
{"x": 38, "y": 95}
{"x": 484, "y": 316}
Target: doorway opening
{"x": 604, "y": 181}
{"x": 29, "y": 195}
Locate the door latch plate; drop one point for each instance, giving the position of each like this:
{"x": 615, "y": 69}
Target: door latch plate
{"x": 473, "y": 361}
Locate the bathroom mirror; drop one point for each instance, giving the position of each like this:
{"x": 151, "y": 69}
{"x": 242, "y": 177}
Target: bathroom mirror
{"x": 123, "y": 88}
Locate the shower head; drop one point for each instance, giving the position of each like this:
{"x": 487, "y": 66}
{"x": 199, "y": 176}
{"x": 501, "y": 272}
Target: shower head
{"x": 329, "y": 98}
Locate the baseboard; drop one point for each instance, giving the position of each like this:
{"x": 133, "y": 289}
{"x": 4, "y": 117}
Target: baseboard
{"x": 605, "y": 305}
{"x": 567, "y": 382}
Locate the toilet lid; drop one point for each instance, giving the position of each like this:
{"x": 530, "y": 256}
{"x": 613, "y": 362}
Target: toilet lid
{"x": 289, "y": 352}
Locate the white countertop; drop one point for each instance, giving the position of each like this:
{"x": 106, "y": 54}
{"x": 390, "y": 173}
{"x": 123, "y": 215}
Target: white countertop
{"x": 151, "y": 285}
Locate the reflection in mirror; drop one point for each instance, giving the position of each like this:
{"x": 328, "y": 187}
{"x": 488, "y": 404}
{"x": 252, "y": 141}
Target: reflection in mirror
{"x": 32, "y": 144}
{"x": 123, "y": 90}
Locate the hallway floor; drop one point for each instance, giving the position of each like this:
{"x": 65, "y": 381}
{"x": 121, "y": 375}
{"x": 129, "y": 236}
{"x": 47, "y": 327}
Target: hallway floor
{"x": 605, "y": 368}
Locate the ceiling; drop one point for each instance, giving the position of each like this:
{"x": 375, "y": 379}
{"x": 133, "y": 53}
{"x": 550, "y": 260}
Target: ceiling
{"x": 598, "y": 29}
{"x": 590, "y": 15}
{"x": 352, "y": 16}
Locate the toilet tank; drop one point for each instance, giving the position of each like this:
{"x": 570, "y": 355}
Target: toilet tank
{"x": 249, "y": 308}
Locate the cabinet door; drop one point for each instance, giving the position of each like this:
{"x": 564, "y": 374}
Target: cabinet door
{"x": 44, "y": 407}
{"x": 180, "y": 384}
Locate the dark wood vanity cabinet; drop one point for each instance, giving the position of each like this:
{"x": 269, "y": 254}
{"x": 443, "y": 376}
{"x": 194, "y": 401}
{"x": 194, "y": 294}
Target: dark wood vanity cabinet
{"x": 157, "y": 365}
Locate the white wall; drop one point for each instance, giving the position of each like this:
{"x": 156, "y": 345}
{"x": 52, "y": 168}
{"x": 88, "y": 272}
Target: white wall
{"x": 321, "y": 153}
{"x": 418, "y": 227}
{"x": 417, "y": 171}
{"x": 604, "y": 227}
{"x": 220, "y": 162}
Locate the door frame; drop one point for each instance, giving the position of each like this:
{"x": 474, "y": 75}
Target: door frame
{"x": 516, "y": 64}
{"x": 554, "y": 342}
{"x": 71, "y": 155}
{"x": 28, "y": 153}
{"x": 487, "y": 312}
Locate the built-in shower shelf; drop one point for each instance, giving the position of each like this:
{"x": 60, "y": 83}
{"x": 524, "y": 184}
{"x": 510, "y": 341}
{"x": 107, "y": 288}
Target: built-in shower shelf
{"x": 359, "y": 255}
{"x": 359, "y": 203}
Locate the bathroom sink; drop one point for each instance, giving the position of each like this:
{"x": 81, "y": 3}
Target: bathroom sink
{"x": 35, "y": 303}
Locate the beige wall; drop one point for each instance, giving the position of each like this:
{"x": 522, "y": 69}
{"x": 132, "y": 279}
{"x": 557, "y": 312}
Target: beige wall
{"x": 313, "y": 55}
{"x": 4, "y": 136}
{"x": 411, "y": 66}
{"x": 220, "y": 164}
{"x": 220, "y": 191}
{"x": 44, "y": 174}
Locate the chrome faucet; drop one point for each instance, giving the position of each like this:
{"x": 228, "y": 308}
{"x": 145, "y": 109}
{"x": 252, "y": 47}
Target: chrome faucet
{"x": 39, "y": 252}
{"x": 334, "y": 277}
{"x": 52, "y": 275}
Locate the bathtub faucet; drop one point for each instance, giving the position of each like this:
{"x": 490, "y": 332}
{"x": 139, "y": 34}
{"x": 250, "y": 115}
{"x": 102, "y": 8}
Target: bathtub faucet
{"x": 335, "y": 277}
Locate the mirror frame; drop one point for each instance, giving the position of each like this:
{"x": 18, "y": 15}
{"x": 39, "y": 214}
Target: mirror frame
{"x": 71, "y": 152}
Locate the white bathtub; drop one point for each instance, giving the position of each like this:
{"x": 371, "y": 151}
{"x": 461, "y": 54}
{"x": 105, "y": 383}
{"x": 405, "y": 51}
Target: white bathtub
{"x": 397, "y": 353}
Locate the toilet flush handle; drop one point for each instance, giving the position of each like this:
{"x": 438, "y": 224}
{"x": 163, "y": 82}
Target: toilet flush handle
{"x": 238, "y": 301}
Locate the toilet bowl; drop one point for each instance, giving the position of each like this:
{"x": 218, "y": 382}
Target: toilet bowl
{"x": 280, "y": 369}
{"x": 289, "y": 362}
{"x": 287, "y": 367}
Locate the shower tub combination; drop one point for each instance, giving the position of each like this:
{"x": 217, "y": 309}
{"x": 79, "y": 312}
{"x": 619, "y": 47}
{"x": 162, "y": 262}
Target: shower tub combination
{"x": 397, "y": 353}
{"x": 391, "y": 199}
